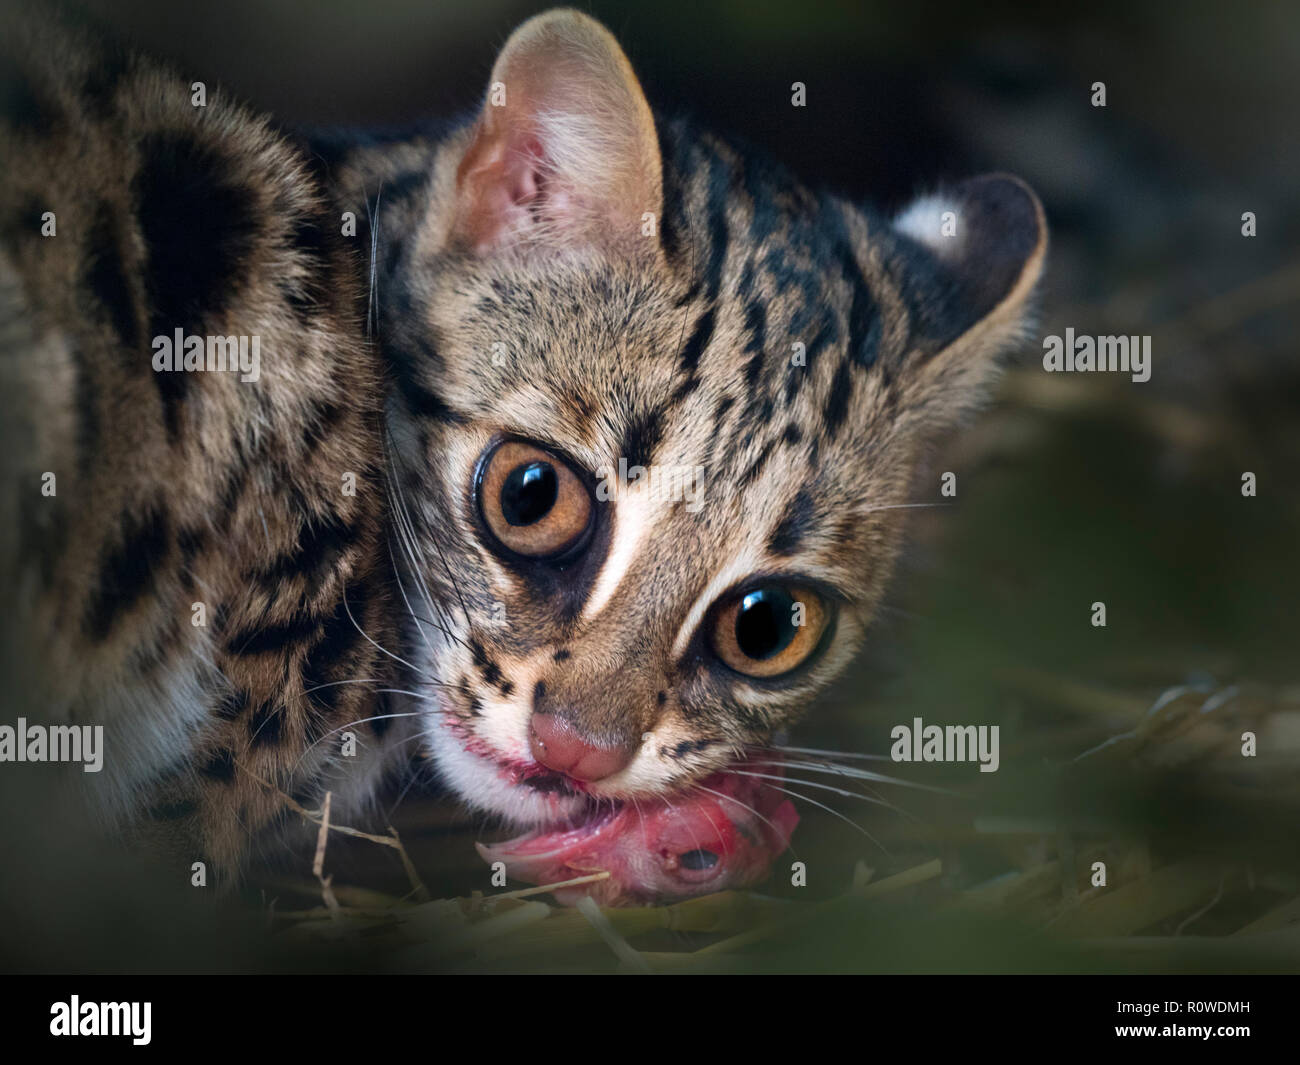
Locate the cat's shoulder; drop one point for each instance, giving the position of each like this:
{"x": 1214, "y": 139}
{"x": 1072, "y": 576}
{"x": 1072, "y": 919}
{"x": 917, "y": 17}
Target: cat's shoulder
{"x": 194, "y": 495}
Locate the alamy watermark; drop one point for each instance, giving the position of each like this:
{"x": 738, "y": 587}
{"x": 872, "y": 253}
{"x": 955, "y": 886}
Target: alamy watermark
{"x": 664, "y": 484}
{"x": 53, "y": 743}
{"x": 102, "y": 1018}
{"x": 919, "y": 742}
{"x": 215, "y": 354}
{"x": 1108, "y": 354}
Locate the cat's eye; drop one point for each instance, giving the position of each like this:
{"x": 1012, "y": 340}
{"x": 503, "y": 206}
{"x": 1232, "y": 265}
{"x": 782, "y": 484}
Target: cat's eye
{"x": 532, "y": 501}
{"x": 769, "y": 630}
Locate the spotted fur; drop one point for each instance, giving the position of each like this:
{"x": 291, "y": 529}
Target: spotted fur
{"x": 567, "y": 268}
{"x": 177, "y": 489}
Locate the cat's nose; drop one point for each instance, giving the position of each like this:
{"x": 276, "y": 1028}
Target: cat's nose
{"x": 559, "y": 746}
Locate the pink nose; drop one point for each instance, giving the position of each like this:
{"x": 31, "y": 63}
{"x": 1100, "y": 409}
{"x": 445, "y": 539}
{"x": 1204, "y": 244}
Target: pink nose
{"x": 557, "y": 745}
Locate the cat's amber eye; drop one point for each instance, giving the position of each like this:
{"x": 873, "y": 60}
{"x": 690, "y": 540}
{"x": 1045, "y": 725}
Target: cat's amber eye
{"x": 531, "y": 501}
{"x": 769, "y": 630}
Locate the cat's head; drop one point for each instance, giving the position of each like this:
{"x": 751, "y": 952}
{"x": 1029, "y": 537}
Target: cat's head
{"x": 659, "y": 410}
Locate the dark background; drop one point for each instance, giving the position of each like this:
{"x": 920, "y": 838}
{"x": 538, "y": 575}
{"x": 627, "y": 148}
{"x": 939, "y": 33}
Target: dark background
{"x": 1074, "y": 488}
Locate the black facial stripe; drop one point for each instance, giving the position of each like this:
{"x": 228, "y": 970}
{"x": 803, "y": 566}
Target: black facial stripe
{"x": 670, "y": 231}
{"x": 410, "y": 359}
{"x": 720, "y": 413}
{"x": 719, "y": 193}
{"x": 690, "y": 747}
{"x": 865, "y": 326}
{"x": 642, "y": 437}
{"x": 795, "y": 526}
{"x": 756, "y": 467}
{"x": 701, "y": 334}
{"x": 428, "y": 405}
{"x": 765, "y": 217}
{"x": 488, "y": 668}
{"x": 683, "y": 390}
{"x": 838, "y": 399}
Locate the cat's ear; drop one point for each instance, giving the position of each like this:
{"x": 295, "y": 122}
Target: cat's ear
{"x": 969, "y": 259}
{"x": 564, "y": 151}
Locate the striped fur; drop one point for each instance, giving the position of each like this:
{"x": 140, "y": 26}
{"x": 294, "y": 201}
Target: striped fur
{"x": 176, "y": 489}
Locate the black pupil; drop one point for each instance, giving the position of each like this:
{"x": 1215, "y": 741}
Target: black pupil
{"x": 529, "y": 493}
{"x": 698, "y": 861}
{"x": 765, "y": 623}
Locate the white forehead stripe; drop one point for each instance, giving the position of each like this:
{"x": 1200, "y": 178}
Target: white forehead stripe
{"x": 635, "y": 514}
{"x": 740, "y": 567}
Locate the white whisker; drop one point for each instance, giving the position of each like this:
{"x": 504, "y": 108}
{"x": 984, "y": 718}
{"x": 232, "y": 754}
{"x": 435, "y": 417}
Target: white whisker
{"x": 822, "y": 806}
{"x": 814, "y": 784}
{"x": 832, "y": 754}
{"x": 745, "y": 806}
{"x": 855, "y": 774}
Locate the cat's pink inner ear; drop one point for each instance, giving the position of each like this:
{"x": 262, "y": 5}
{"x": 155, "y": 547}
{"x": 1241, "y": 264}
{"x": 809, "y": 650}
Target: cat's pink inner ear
{"x": 498, "y": 185}
{"x": 565, "y": 150}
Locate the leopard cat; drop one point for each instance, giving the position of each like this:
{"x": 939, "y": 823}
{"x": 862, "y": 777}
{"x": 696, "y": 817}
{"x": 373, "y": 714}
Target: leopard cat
{"x": 543, "y": 309}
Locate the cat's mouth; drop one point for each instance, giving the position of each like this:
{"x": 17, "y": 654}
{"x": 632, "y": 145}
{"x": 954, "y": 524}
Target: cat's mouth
{"x": 550, "y": 782}
{"x": 723, "y": 832}
{"x": 583, "y": 829}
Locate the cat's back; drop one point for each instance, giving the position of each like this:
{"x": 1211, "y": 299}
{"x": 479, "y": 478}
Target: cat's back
{"x": 192, "y": 475}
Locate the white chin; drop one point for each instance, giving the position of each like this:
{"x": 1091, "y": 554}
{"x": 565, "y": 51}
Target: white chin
{"x": 479, "y": 782}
